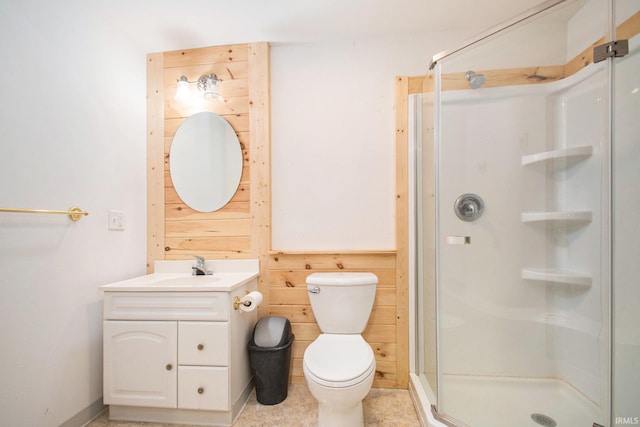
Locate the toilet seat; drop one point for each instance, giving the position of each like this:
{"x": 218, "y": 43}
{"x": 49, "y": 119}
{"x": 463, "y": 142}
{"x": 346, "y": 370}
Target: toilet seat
{"x": 336, "y": 360}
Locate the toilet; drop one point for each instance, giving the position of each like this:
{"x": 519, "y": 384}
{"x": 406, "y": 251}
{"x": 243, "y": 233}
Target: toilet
{"x": 339, "y": 365}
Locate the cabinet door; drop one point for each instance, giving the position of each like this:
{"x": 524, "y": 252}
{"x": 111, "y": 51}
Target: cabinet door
{"x": 203, "y": 343}
{"x": 203, "y": 387}
{"x": 140, "y": 366}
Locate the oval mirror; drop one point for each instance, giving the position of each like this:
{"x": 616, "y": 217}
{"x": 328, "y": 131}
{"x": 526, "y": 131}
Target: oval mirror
{"x": 205, "y": 162}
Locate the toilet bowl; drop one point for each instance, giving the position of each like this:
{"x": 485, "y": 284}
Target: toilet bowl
{"x": 339, "y": 370}
{"x": 339, "y": 366}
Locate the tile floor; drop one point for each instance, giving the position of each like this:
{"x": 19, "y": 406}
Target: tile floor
{"x": 382, "y": 407}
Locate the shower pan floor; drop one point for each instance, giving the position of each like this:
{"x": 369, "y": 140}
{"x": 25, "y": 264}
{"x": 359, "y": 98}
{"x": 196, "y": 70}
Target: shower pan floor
{"x": 508, "y": 402}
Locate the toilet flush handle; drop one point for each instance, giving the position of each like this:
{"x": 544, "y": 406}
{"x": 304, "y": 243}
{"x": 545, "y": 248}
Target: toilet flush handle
{"x": 313, "y": 289}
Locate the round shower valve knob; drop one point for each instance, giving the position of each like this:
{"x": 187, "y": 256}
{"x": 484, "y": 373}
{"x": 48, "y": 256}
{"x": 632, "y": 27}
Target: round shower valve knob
{"x": 469, "y": 207}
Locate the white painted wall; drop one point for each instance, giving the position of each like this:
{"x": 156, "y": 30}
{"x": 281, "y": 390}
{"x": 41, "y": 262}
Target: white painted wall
{"x": 72, "y": 132}
{"x": 333, "y": 137}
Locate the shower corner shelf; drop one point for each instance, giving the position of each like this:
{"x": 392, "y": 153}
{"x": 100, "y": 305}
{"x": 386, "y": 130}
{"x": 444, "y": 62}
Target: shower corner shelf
{"x": 556, "y": 276}
{"x": 562, "y": 154}
{"x": 560, "y": 217}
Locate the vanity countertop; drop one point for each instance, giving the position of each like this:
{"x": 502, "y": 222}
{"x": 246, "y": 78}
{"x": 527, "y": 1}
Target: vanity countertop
{"x": 175, "y": 276}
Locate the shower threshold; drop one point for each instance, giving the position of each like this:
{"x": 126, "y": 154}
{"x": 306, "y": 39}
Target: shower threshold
{"x": 480, "y": 401}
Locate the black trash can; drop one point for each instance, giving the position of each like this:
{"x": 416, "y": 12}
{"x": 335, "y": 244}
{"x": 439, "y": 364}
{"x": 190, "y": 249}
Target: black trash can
{"x": 270, "y": 356}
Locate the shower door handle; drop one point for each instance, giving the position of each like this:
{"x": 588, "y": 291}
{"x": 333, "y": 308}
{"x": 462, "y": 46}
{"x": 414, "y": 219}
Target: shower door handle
{"x": 457, "y": 240}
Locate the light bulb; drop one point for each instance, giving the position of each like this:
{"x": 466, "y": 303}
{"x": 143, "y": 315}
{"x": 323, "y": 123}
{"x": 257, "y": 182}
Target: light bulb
{"x": 213, "y": 91}
{"x": 182, "y": 91}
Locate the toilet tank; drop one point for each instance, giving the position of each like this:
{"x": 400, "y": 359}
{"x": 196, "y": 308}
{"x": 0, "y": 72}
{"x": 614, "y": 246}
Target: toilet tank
{"x": 342, "y": 301}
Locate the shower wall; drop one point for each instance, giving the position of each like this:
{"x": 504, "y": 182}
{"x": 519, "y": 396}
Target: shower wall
{"x": 577, "y": 313}
{"x": 489, "y": 312}
{"x": 509, "y": 325}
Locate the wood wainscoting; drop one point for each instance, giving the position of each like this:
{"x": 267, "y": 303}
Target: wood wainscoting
{"x": 241, "y": 228}
{"x": 387, "y": 330}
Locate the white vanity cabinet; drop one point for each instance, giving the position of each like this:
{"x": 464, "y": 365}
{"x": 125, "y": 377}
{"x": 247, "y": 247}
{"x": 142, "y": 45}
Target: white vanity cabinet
{"x": 176, "y": 354}
{"x": 140, "y": 364}
{"x": 144, "y": 359}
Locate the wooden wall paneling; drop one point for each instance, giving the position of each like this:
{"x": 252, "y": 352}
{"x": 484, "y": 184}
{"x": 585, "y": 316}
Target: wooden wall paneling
{"x": 260, "y": 190}
{"x": 208, "y": 55}
{"x": 171, "y": 197}
{"x": 353, "y": 261}
{"x": 155, "y": 160}
{"x": 495, "y": 78}
{"x": 428, "y": 83}
{"x": 402, "y": 231}
{"x": 176, "y": 230}
{"x": 179, "y": 210}
{"x": 211, "y": 248}
{"x": 208, "y": 227}
{"x": 629, "y": 28}
{"x": 414, "y": 84}
{"x": 506, "y": 77}
{"x": 239, "y": 122}
{"x": 226, "y": 233}
{"x": 289, "y": 298}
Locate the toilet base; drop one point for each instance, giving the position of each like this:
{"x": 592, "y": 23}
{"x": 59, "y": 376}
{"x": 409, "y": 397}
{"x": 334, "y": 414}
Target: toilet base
{"x": 332, "y": 416}
{"x": 340, "y": 407}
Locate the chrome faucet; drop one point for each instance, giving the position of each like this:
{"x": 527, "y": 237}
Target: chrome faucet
{"x": 199, "y": 269}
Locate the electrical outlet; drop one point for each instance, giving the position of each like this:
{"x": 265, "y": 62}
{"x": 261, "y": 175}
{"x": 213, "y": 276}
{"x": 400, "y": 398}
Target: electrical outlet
{"x": 116, "y": 220}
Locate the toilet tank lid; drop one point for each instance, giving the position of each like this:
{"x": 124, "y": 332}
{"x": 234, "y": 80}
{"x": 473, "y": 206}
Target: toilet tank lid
{"x": 345, "y": 278}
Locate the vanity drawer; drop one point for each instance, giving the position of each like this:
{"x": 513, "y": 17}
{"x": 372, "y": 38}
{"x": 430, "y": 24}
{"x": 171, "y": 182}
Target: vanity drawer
{"x": 203, "y": 343}
{"x": 166, "y": 306}
{"x": 202, "y": 387}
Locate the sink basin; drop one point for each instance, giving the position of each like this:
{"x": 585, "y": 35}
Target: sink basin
{"x": 188, "y": 281}
{"x": 176, "y": 276}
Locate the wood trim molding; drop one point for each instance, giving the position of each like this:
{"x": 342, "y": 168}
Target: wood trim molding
{"x": 260, "y": 184}
{"x": 402, "y": 231}
{"x": 155, "y": 159}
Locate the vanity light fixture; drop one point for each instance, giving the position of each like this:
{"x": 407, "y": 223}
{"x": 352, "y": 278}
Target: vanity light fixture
{"x": 207, "y": 86}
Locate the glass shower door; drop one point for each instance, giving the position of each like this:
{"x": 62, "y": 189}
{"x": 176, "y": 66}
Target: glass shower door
{"x": 626, "y": 208}
{"x": 522, "y": 264}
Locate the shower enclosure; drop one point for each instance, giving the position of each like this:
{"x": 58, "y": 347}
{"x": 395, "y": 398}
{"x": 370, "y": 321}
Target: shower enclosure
{"x": 527, "y": 205}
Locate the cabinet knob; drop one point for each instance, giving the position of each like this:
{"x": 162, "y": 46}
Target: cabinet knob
{"x": 200, "y": 346}
{"x": 169, "y": 366}
{"x": 200, "y": 390}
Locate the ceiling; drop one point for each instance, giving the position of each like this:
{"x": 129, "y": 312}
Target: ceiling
{"x": 158, "y": 25}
